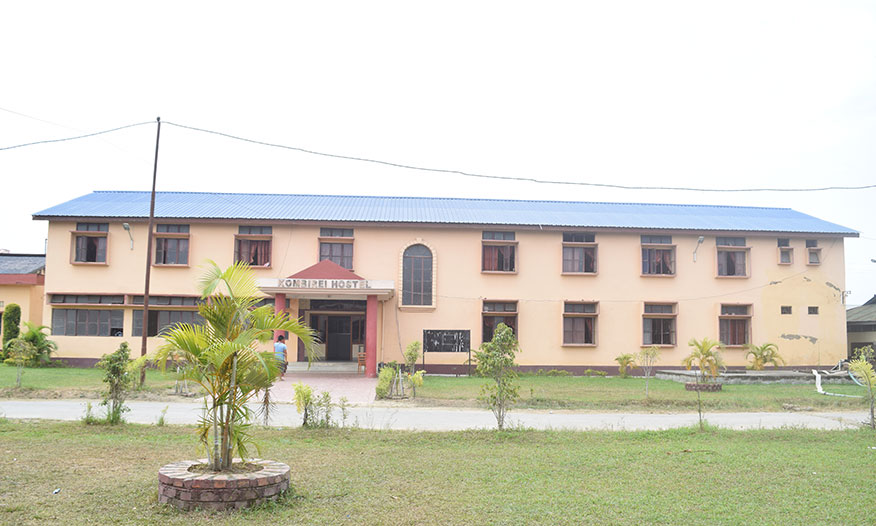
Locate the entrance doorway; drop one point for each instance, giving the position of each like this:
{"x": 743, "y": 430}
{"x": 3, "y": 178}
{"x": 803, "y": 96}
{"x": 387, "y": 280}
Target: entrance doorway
{"x": 340, "y": 333}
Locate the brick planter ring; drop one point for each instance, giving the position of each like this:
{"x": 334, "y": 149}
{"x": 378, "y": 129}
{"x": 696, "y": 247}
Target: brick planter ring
{"x": 221, "y": 491}
{"x": 691, "y": 386}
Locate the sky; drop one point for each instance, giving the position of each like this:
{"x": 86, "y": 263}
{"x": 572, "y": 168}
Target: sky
{"x": 719, "y": 95}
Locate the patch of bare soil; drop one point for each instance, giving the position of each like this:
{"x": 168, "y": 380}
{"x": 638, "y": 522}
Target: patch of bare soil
{"x": 236, "y": 467}
{"x": 68, "y": 394}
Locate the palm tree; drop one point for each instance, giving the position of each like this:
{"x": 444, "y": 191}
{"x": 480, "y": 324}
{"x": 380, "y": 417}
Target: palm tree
{"x": 222, "y": 355}
{"x": 43, "y": 346}
{"x": 706, "y": 356}
{"x": 761, "y": 355}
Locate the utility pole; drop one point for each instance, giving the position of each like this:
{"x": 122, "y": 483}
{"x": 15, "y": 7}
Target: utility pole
{"x": 149, "y": 254}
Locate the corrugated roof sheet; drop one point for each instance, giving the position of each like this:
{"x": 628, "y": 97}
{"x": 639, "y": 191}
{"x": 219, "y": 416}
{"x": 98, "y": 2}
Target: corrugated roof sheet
{"x": 21, "y": 263}
{"x": 862, "y": 314}
{"x": 334, "y": 208}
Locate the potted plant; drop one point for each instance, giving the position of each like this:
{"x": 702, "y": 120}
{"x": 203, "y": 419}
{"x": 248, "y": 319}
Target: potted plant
{"x": 224, "y": 356}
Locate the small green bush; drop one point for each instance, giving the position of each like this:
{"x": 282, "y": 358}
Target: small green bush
{"x": 119, "y": 380}
{"x": 412, "y": 353}
{"x": 384, "y": 381}
{"x": 11, "y": 321}
{"x": 594, "y": 372}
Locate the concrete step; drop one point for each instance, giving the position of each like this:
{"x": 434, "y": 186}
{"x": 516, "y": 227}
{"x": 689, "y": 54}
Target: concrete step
{"x": 322, "y": 367}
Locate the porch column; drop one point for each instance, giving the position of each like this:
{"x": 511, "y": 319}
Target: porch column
{"x": 279, "y": 306}
{"x": 371, "y": 337}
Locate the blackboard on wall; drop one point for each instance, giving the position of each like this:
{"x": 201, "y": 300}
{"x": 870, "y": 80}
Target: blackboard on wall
{"x": 446, "y": 341}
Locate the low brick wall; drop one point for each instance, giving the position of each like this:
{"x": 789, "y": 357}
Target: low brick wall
{"x": 211, "y": 491}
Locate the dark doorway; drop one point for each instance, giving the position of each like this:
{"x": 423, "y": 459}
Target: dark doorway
{"x": 340, "y": 332}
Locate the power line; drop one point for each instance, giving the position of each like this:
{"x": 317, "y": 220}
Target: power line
{"x": 47, "y": 141}
{"x": 454, "y": 172}
{"x": 518, "y": 179}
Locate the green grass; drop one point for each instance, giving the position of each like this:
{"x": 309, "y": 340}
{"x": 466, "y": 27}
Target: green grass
{"x": 71, "y": 382}
{"x": 109, "y": 476}
{"x": 616, "y": 394}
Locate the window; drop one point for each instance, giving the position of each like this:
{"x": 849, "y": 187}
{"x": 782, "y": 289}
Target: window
{"x": 446, "y": 341}
{"x": 735, "y": 324}
{"x": 90, "y": 299}
{"x": 732, "y": 261}
{"x": 417, "y": 275}
{"x": 496, "y": 312}
{"x": 159, "y": 320}
{"x": 253, "y": 245}
{"x": 579, "y": 253}
{"x": 814, "y": 253}
{"x": 168, "y": 300}
{"x": 786, "y": 253}
{"x": 658, "y": 259}
{"x": 336, "y": 244}
{"x": 786, "y": 309}
{"x": 499, "y": 252}
{"x": 658, "y": 324}
{"x": 579, "y": 323}
{"x": 87, "y": 322}
{"x": 172, "y": 245}
{"x": 90, "y": 242}
{"x": 813, "y": 310}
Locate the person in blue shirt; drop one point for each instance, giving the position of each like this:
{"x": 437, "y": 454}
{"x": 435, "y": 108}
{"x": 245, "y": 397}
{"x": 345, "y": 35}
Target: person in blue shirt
{"x": 280, "y": 354}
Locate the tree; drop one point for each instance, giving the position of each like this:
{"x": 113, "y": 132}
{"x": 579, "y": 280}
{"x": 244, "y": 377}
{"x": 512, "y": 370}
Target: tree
{"x": 762, "y": 355}
{"x": 495, "y": 360}
{"x": 647, "y": 359}
{"x": 707, "y": 357}
{"x": 862, "y": 369}
{"x": 624, "y": 362}
{"x": 43, "y": 346}
{"x": 223, "y": 356}
{"x": 119, "y": 378}
{"x": 11, "y": 321}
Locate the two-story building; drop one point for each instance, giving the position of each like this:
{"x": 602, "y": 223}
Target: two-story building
{"x": 580, "y": 283}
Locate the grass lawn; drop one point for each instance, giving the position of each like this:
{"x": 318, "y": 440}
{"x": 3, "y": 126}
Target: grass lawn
{"x": 72, "y": 382}
{"x": 613, "y": 393}
{"x": 109, "y": 476}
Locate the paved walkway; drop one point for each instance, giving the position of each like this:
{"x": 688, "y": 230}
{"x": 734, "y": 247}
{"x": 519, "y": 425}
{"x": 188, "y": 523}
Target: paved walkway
{"x": 449, "y": 419}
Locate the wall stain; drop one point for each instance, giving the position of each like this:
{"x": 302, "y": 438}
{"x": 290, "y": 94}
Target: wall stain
{"x": 812, "y": 339}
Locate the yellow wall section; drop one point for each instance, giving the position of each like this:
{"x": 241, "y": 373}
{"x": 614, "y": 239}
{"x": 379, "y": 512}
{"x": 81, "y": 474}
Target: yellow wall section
{"x": 538, "y": 287}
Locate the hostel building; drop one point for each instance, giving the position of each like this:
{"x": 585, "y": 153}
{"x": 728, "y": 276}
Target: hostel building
{"x": 580, "y": 283}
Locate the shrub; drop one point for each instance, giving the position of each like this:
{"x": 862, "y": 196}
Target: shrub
{"x": 119, "y": 379}
{"x": 384, "y": 381}
{"x": 20, "y": 353}
{"x": 624, "y": 361}
{"x": 43, "y": 346}
{"x": 11, "y": 321}
{"x": 763, "y": 355}
{"x": 412, "y": 353}
{"x": 862, "y": 369}
{"x": 303, "y": 401}
{"x": 594, "y": 372}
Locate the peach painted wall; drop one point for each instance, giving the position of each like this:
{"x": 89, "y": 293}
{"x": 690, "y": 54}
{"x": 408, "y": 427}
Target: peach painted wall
{"x": 537, "y": 286}
{"x": 28, "y": 297}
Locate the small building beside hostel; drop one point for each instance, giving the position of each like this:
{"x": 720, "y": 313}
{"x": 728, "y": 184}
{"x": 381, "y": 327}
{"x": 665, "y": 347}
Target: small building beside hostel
{"x": 22, "y": 278}
{"x": 861, "y": 324}
{"x": 579, "y": 282}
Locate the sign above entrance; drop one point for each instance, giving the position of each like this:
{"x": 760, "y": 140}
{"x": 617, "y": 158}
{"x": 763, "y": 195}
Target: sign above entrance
{"x": 306, "y": 287}
{"x": 295, "y": 283}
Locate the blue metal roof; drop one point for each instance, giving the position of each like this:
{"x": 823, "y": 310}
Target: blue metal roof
{"x": 362, "y": 209}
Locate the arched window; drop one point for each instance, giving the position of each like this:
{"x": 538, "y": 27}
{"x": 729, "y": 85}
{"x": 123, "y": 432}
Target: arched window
{"x": 417, "y": 276}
